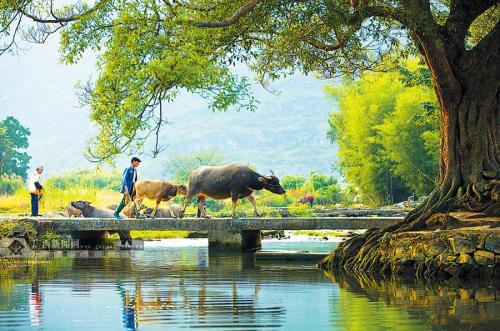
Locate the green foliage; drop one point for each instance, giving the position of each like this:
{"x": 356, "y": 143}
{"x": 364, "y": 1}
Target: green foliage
{"x": 301, "y": 211}
{"x": 149, "y": 50}
{"x": 274, "y": 200}
{"x": 159, "y": 234}
{"x": 290, "y": 182}
{"x": 178, "y": 168}
{"x": 10, "y": 183}
{"x": 418, "y": 76}
{"x": 387, "y": 131}
{"x": 13, "y": 138}
{"x": 145, "y": 60}
{"x": 87, "y": 178}
{"x": 349, "y": 196}
{"x": 7, "y": 227}
{"x": 53, "y": 236}
{"x": 96, "y": 185}
{"x": 482, "y": 25}
{"x": 325, "y": 189}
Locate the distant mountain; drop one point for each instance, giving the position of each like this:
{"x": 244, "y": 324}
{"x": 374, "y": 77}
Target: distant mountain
{"x": 287, "y": 133}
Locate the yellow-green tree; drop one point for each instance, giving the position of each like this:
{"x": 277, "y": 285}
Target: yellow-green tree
{"x": 387, "y": 133}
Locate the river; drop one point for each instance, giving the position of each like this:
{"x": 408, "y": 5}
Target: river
{"x": 179, "y": 284}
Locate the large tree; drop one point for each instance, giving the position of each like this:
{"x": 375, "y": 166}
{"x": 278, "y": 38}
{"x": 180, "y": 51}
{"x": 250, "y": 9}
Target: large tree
{"x": 149, "y": 49}
{"x": 13, "y": 140}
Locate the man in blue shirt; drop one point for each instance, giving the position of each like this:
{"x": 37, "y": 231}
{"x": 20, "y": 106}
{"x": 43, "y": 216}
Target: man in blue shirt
{"x": 128, "y": 180}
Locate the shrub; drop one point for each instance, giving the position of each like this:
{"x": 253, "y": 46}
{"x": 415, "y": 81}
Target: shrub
{"x": 87, "y": 178}
{"x": 275, "y": 200}
{"x": 6, "y": 227}
{"x": 290, "y": 182}
{"x": 10, "y": 183}
{"x": 301, "y": 211}
{"x": 324, "y": 188}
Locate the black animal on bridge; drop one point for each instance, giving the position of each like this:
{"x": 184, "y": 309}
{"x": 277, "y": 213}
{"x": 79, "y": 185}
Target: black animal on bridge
{"x": 233, "y": 181}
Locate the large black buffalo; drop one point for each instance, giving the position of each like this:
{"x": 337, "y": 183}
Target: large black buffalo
{"x": 233, "y": 181}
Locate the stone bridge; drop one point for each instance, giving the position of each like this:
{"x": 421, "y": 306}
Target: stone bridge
{"x": 241, "y": 234}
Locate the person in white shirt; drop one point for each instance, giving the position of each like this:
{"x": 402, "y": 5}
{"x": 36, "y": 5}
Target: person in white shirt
{"x": 35, "y": 189}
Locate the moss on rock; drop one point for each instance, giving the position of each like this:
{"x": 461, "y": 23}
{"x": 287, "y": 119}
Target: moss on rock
{"x": 15, "y": 228}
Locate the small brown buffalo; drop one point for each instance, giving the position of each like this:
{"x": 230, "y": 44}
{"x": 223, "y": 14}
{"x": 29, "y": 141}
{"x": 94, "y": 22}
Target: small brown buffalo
{"x": 130, "y": 209}
{"x": 157, "y": 190}
{"x": 172, "y": 211}
{"x": 71, "y": 211}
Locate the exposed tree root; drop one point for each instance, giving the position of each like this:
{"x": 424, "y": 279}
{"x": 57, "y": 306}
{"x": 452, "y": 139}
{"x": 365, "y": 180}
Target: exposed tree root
{"x": 363, "y": 253}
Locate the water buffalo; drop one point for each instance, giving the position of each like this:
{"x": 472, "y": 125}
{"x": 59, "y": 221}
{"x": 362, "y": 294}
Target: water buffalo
{"x": 95, "y": 212}
{"x": 71, "y": 211}
{"x": 172, "y": 211}
{"x": 130, "y": 210}
{"x": 157, "y": 190}
{"x": 233, "y": 181}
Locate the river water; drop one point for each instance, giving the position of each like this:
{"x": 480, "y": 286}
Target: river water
{"x": 179, "y": 284}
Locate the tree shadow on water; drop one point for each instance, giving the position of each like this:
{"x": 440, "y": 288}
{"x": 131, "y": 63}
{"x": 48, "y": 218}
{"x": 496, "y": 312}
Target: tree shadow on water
{"x": 441, "y": 304}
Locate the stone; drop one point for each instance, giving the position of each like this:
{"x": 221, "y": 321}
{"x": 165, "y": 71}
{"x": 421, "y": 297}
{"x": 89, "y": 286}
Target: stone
{"x": 451, "y": 258}
{"x": 464, "y": 293}
{"x": 18, "y": 232}
{"x": 462, "y": 244}
{"x": 452, "y": 269}
{"x": 436, "y": 246}
{"x": 16, "y": 246}
{"x": 484, "y": 257}
{"x": 246, "y": 240}
{"x": 417, "y": 254}
{"x": 4, "y": 252}
{"x": 485, "y": 294}
{"x": 492, "y": 244}
{"x": 465, "y": 258}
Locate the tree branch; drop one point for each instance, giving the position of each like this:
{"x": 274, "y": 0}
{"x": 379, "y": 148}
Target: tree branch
{"x": 462, "y": 14}
{"x": 385, "y": 12}
{"x": 361, "y": 12}
{"x": 13, "y": 39}
{"x": 243, "y": 11}
{"x": 63, "y": 20}
{"x": 487, "y": 52}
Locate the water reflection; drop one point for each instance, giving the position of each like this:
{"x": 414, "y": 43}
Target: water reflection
{"x": 448, "y": 305}
{"x": 35, "y": 304}
{"x": 179, "y": 287}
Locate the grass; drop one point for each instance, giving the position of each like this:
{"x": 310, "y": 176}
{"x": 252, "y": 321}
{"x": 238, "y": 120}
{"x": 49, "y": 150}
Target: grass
{"x": 98, "y": 187}
{"x": 155, "y": 234}
{"x": 13, "y": 263}
{"x": 56, "y": 199}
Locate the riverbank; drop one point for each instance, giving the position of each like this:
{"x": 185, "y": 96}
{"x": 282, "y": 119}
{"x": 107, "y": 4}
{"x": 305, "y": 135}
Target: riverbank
{"x": 459, "y": 245}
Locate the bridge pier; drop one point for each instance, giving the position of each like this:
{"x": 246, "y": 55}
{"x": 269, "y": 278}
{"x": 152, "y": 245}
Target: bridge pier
{"x": 236, "y": 240}
{"x": 90, "y": 238}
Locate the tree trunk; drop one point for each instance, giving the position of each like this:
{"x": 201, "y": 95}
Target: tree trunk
{"x": 469, "y": 168}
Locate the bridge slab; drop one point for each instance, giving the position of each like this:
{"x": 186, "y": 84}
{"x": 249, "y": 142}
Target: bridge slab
{"x": 215, "y": 224}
